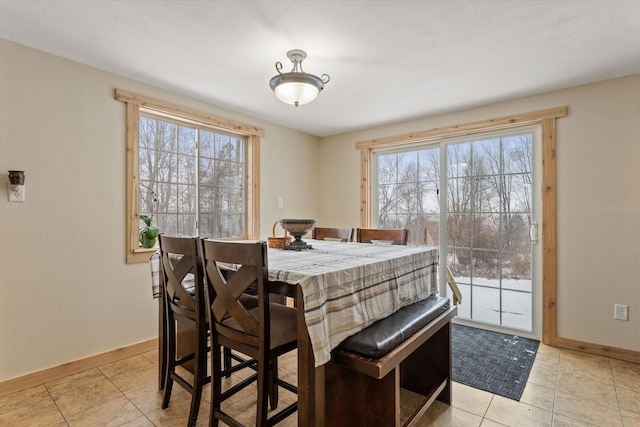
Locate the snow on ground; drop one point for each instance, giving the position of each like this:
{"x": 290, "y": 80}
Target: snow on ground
{"x": 485, "y": 297}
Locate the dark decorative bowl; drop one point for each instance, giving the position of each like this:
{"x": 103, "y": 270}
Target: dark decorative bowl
{"x": 298, "y": 228}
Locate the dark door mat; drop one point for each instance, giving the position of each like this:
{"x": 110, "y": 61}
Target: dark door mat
{"x": 491, "y": 361}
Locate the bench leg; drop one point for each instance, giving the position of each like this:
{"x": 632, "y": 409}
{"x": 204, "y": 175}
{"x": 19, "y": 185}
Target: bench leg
{"x": 353, "y": 399}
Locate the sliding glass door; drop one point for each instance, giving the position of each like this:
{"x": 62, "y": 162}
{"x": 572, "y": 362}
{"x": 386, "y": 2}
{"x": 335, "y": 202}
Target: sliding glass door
{"x": 486, "y": 230}
{"x": 489, "y": 224}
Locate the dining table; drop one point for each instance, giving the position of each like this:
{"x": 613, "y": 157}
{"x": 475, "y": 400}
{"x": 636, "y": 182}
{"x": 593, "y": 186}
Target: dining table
{"x": 340, "y": 288}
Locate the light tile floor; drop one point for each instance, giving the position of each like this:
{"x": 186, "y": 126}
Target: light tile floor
{"x": 565, "y": 388}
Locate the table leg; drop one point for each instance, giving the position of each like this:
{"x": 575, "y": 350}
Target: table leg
{"x": 311, "y": 403}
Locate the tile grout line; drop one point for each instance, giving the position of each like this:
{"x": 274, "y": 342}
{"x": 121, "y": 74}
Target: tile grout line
{"x": 555, "y": 388}
{"x": 127, "y": 397}
{"x": 615, "y": 389}
{"x": 590, "y": 399}
{"x": 55, "y": 403}
{"x": 484, "y": 416}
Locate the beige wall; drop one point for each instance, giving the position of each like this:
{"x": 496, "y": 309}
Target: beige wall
{"x": 598, "y": 199}
{"x": 65, "y": 290}
{"x": 67, "y": 293}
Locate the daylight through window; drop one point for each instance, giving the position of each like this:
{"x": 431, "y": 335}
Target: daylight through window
{"x": 478, "y": 191}
{"x": 189, "y": 173}
{"x": 468, "y": 188}
{"x": 192, "y": 179}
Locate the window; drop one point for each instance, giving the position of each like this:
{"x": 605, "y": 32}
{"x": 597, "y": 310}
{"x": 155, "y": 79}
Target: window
{"x": 407, "y": 196}
{"x": 192, "y": 179}
{"x": 488, "y": 208}
{"x": 406, "y": 149}
{"x": 195, "y": 173}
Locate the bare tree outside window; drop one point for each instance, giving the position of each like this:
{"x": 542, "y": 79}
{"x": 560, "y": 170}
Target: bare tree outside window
{"x": 198, "y": 177}
{"x": 488, "y": 211}
{"x": 408, "y": 194}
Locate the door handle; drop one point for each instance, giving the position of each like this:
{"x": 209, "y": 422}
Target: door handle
{"x": 533, "y": 233}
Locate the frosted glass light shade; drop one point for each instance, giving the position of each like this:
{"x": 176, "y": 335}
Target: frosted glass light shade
{"x": 296, "y": 87}
{"x": 296, "y": 93}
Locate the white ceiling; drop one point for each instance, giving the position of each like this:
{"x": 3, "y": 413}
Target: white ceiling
{"x": 388, "y": 60}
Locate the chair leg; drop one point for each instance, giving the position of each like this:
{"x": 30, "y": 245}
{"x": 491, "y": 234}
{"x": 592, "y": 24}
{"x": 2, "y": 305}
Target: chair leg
{"x": 227, "y": 360}
{"x": 216, "y": 384}
{"x": 273, "y": 386}
{"x": 170, "y": 363}
{"x": 195, "y": 402}
{"x": 162, "y": 342}
{"x": 199, "y": 377}
{"x": 263, "y": 393}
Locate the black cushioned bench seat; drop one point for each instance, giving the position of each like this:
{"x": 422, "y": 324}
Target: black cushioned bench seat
{"x": 386, "y": 334}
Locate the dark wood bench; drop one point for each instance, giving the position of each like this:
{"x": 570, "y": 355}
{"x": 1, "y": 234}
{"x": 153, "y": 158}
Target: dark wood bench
{"x": 411, "y": 349}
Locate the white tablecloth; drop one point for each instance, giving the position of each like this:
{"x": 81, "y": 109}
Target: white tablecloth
{"x": 348, "y": 286}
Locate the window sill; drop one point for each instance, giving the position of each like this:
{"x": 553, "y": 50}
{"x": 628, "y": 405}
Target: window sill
{"x": 140, "y": 255}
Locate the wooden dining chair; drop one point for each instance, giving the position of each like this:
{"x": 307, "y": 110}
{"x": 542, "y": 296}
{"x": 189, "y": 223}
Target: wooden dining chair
{"x": 326, "y": 233}
{"x": 262, "y": 333}
{"x": 186, "y": 326}
{"x": 398, "y": 236}
{"x": 184, "y": 301}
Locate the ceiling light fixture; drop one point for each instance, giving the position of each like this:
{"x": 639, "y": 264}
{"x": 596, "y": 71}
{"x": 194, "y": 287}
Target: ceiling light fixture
{"x": 297, "y": 87}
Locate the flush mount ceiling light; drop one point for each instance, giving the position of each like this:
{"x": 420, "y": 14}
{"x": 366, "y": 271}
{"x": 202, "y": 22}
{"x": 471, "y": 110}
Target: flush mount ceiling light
{"x": 297, "y": 87}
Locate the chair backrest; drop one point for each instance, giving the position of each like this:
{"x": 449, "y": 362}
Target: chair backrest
{"x": 322, "y": 233}
{"x": 366, "y": 235}
{"x": 227, "y": 315}
{"x": 181, "y": 275}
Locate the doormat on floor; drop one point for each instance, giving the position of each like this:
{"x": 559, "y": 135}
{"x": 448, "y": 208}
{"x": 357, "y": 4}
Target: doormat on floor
{"x": 491, "y": 361}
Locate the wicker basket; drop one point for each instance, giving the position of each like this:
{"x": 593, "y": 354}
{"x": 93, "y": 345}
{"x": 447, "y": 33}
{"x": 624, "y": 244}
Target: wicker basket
{"x": 278, "y": 242}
